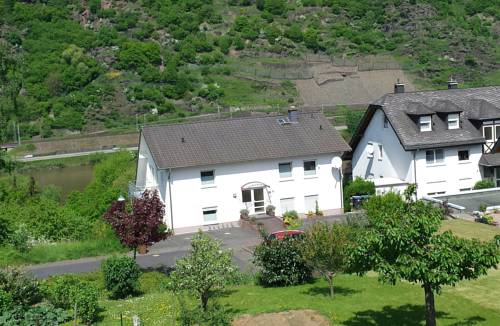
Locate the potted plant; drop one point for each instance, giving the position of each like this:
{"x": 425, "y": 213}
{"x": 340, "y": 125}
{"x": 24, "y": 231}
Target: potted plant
{"x": 270, "y": 210}
{"x": 244, "y": 214}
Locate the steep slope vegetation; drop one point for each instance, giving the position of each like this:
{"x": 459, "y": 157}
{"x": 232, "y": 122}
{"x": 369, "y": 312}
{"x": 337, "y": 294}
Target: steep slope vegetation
{"x": 71, "y": 66}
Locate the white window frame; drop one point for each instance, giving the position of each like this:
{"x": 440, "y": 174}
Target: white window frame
{"x": 207, "y": 182}
{"x": 492, "y": 133}
{"x": 292, "y": 200}
{"x": 453, "y": 121}
{"x": 288, "y": 174}
{"x": 380, "y": 152}
{"x": 309, "y": 172}
{"x": 434, "y": 157}
{"x": 209, "y": 209}
{"x": 425, "y": 123}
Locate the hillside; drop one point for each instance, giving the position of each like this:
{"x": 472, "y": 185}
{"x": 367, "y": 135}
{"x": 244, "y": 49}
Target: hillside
{"x": 70, "y": 66}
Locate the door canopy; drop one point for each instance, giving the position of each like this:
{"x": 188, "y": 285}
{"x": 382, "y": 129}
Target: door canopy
{"x": 254, "y": 185}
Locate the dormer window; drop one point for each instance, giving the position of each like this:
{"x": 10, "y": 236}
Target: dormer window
{"x": 425, "y": 123}
{"x": 453, "y": 121}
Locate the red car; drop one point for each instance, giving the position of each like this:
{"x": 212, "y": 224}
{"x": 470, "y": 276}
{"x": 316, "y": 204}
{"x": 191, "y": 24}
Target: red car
{"x": 280, "y": 235}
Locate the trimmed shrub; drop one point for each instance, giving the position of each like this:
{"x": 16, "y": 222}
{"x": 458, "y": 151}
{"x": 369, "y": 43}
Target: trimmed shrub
{"x": 121, "y": 276}
{"x": 484, "y": 184}
{"x": 357, "y": 187}
{"x": 281, "y": 263}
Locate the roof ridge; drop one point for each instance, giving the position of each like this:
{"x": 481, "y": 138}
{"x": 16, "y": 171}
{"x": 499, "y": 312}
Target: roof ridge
{"x": 440, "y": 90}
{"x": 268, "y": 115}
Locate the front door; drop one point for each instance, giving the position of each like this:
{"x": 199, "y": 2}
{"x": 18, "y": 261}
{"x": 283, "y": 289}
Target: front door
{"x": 254, "y": 200}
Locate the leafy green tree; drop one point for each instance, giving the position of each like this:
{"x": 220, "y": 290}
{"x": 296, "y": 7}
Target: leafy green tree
{"x": 311, "y": 39}
{"x": 121, "y": 276}
{"x": 275, "y": 7}
{"x": 294, "y": 33}
{"x": 205, "y": 270}
{"x": 403, "y": 243}
{"x": 357, "y": 187}
{"x": 326, "y": 249}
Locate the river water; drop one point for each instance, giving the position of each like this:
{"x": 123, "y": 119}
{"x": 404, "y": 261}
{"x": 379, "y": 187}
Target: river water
{"x": 68, "y": 178}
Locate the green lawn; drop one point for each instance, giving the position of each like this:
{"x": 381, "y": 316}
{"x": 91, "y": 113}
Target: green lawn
{"x": 358, "y": 301}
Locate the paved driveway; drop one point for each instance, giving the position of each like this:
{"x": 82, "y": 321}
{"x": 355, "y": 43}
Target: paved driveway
{"x": 163, "y": 255}
{"x": 472, "y": 201}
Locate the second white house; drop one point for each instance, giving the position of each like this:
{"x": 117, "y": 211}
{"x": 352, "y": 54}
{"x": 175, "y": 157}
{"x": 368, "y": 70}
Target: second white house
{"x": 206, "y": 172}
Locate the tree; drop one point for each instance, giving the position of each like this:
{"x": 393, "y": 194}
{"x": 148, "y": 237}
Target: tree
{"x": 205, "y": 270}
{"x": 140, "y": 225}
{"x": 325, "y": 249}
{"x": 403, "y": 243}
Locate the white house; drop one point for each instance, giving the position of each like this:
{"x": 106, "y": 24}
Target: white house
{"x": 206, "y": 172}
{"x": 444, "y": 141}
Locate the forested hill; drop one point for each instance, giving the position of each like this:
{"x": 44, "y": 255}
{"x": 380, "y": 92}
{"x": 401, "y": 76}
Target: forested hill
{"x": 87, "y": 65}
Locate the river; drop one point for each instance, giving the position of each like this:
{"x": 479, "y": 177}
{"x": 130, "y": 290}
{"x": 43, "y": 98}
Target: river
{"x": 68, "y": 179}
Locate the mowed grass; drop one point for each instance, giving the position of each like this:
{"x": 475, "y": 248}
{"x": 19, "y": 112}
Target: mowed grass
{"x": 358, "y": 301}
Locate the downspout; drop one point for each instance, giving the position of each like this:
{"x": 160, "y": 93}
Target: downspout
{"x": 170, "y": 198}
{"x": 341, "y": 191}
{"x": 415, "y": 173}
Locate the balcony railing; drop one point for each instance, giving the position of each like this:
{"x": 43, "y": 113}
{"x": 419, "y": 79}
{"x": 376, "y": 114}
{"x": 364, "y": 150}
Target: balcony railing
{"x": 136, "y": 191}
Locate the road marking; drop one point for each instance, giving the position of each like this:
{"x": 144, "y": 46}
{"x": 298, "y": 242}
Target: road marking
{"x": 227, "y": 233}
{"x": 156, "y": 255}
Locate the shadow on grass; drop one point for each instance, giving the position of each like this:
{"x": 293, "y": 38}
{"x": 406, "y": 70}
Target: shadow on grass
{"x": 159, "y": 268}
{"x": 405, "y": 315}
{"x": 402, "y": 315}
{"x": 325, "y": 291}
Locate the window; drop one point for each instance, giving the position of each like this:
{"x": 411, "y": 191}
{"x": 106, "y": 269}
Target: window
{"x": 309, "y": 167}
{"x": 425, "y": 123}
{"x": 246, "y": 196}
{"x": 434, "y": 156}
{"x": 310, "y": 203}
{"x": 453, "y": 122}
{"x": 207, "y": 177}
{"x": 380, "y": 152}
{"x": 463, "y": 155}
{"x": 386, "y": 122}
{"x": 285, "y": 170}
{"x": 488, "y": 133}
{"x": 286, "y": 205}
{"x": 210, "y": 214}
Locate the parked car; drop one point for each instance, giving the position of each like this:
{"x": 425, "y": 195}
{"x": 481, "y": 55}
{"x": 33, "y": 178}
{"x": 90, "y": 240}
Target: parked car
{"x": 280, "y": 235}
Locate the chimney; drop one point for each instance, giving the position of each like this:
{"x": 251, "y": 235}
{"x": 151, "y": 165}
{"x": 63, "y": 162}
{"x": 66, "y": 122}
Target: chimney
{"x": 452, "y": 83}
{"x": 293, "y": 115}
{"x": 399, "y": 87}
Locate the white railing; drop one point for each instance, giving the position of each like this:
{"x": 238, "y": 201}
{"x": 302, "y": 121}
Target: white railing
{"x": 136, "y": 191}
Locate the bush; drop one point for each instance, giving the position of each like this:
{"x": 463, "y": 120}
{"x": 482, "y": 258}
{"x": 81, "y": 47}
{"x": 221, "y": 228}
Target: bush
{"x": 281, "y": 263}
{"x": 6, "y": 302}
{"x": 484, "y": 184}
{"x": 214, "y": 316}
{"x": 42, "y": 314}
{"x": 290, "y": 216}
{"x": 70, "y": 292}
{"x": 357, "y": 187}
{"x": 20, "y": 239}
{"x": 23, "y": 290}
{"x": 121, "y": 275}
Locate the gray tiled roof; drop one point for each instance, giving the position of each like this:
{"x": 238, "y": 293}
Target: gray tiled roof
{"x": 492, "y": 159}
{"x": 243, "y": 139}
{"x": 473, "y": 103}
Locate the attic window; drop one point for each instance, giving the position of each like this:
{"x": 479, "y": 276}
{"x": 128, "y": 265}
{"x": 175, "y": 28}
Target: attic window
{"x": 453, "y": 122}
{"x": 425, "y": 123}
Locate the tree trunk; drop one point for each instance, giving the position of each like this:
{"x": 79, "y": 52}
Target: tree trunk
{"x": 329, "y": 278}
{"x": 135, "y": 252}
{"x": 430, "y": 308}
{"x": 204, "y": 300}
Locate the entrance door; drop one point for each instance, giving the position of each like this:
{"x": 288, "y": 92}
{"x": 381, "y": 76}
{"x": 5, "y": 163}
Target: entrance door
{"x": 254, "y": 200}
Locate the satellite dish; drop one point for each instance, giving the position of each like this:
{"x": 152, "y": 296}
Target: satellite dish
{"x": 337, "y": 162}
{"x": 369, "y": 149}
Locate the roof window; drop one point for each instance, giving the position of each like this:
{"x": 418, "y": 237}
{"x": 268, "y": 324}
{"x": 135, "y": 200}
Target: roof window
{"x": 425, "y": 123}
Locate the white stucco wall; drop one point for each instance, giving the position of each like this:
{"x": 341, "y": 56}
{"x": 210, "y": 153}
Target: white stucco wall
{"x": 395, "y": 162}
{"x": 189, "y": 197}
{"x": 451, "y": 175}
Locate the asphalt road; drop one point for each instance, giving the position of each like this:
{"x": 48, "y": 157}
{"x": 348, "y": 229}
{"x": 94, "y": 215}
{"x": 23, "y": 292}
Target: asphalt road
{"x": 163, "y": 255}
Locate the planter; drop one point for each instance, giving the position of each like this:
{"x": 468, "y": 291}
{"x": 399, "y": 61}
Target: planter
{"x": 142, "y": 249}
